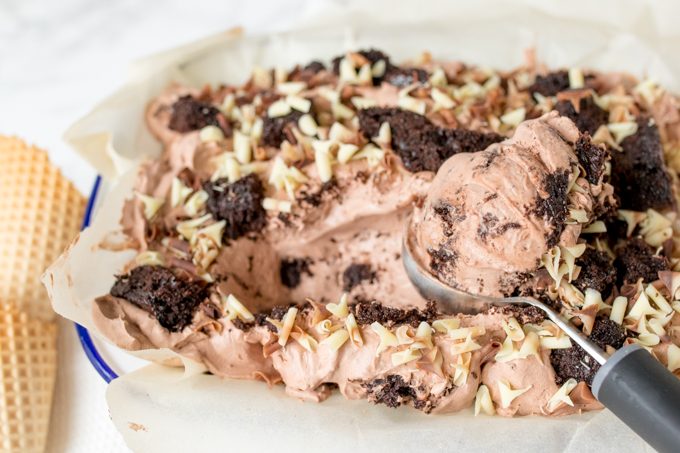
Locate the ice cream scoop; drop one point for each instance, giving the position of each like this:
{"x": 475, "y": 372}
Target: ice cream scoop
{"x": 488, "y": 219}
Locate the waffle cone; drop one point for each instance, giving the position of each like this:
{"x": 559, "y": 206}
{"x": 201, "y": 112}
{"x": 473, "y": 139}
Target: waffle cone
{"x": 40, "y": 213}
{"x": 28, "y": 365}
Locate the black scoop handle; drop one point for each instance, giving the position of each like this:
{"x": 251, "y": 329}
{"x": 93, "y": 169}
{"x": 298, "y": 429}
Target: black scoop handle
{"x": 640, "y": 391}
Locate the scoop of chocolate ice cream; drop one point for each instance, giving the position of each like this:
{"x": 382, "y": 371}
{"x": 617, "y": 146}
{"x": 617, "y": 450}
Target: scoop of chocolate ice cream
{"x": 491, "y": 215}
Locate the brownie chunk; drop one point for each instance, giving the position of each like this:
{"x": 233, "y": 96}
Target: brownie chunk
{"x": 239, "y": 204}
{"x": 156, "y": 289}
{"x": 421, "y": 145}
{"x": 589, "y": 117}
{"x": 370, "y": 312}
{"x": 391, "y": 391}
{"x": 554, "y": 208}
{"x": 575, "y": 363}
{"x": 188, "y": 114}
{"x": 355, "y": 274}
{"x": 551, "y": 83}
{"x": 637, "y": 260}
{"x": 591, "y": 157}
{"x": 274, "y": 130}
{"x": 597, "y": 272}
{"x": 291, "y": 271}
{"x": 639, "y": 175}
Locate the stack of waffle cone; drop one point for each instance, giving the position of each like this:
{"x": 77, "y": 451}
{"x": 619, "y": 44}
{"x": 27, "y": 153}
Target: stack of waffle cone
{"x": 40, "y": 213}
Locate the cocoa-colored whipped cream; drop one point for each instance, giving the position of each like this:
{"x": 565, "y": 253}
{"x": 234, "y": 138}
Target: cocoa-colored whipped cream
{"x": 311, "y": 292}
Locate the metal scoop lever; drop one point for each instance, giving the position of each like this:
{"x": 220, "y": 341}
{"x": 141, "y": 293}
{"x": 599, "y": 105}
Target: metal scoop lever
{"x": 631, "y": 383}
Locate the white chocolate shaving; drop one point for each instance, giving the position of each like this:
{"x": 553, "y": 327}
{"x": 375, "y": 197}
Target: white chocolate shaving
{"x": 384, "y": 137}
{"x": 242, "y": 148}
{"x": 378, "y": 68}
{"x": 336, "y": 339}
{"x": 597, "y": 226}
{"x": 287, "y": 324}
{"x": 561, "y": 342}
{"x": 441, "y": 99}
{"x": 371, "y": 153}
{"x": 446, "y": 325}
{"x": 404, "y": 335}
{"x": 346, "y": 151}
{"x": 353, "y": 330}
{"x": 236, "y": 308}
{"x": 513, "y": 330}
{"x": 561, "y": 396}
{"x": 341, "y": 111}
{"x": 362, "y": 103}
{"x": 405, "y": 356}
{"x": 483, "y": 401}
{"x": 508, "y": 395}
{"x": 322, "y": 158}
{"x": 622, "y": 130}
{"x": 304, "y": 339}
{"x": 461, "y": 369}
{"x": 576, "y": 79}
{"x": 619, "y": 306}
{"x": 194, "y": 205}
{"x": 387, "y": 338}
{"x": 278, "y": 108}
{"x": 514, "y": 117}
{"x": 290, "y": 87}
{"x": 299, "y": 103}
{"x": 178, "y": 192}
{"x": 412, "y": 104}
{"x": 189, "y": 227}
{"x": 307, "y": 125}
{"x": 149, "y": 258}
{"x": 341, "y": 309}
{"x": 272, "y": 204}
{"x": 438, "y": 78}
{"x": 211, "y": 134}
{"x": 466, "y": 346}
{"x": 150, "y": 204}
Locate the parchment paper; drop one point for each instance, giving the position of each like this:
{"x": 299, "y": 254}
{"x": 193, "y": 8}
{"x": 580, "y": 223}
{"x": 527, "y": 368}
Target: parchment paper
{"x": 164, "y": 409}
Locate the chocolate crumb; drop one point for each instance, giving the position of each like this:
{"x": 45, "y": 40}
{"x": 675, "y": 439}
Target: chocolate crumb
{"x": 355, "y": 274}
{"x": 314, "y": 66}
{"x": 554, "y": 208}
{"x": 635, "y": 259}
{"x": 597, "y": 272}
{"x": 159, "y": 291}
{"x": 328, "y": 189}
{"x": 450, "y": 215}
{"x": 392, "y": 391}
{"x": 639, "y": 175}
{"x": 525, "y": 314}
{"x": 274, "y": 129}
{"x": 575, "y": 363}
{"x": 291, "y": 270}
{"x": 589, "y": 117}
{"x": 239, "y": 204}
{"x": 370, "y": 312}
{"x": 189, "y": 114}
{"x": 421, "y": 145}
{"x": 442, "y": 261}
{"x": 591, "y": 157}
{"x": 551, "y": 83}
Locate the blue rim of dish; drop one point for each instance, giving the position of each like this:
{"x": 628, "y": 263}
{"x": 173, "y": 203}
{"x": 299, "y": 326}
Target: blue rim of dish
{"x": 86, "y": 342}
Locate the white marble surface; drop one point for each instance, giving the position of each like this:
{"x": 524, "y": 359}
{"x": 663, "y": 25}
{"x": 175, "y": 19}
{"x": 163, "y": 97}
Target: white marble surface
{"x": 57, "y": 59}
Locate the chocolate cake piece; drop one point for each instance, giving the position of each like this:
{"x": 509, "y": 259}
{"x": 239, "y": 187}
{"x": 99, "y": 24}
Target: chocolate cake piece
{"x": 158, "y": 290}
{"x": 597, "y": 272}
{"x": 274, "y": 129}
{"x": 189, "y": 114}
{"x": 575, "y": 363}
{"x": 554, "y": 207}
{"x": 639, "y": 175}
{"x": 239, "y": 204}
{"x": 370, "y": 312}
{"x": 355, "y": 274}
{"x": 421, "y": 145}
{"x": 589, "y": 117}
{"x": 636, "y": 259}
{"x": 591, "y": 157}
{"x": 551, "y": 83}
{"x": 291, "y": 270}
